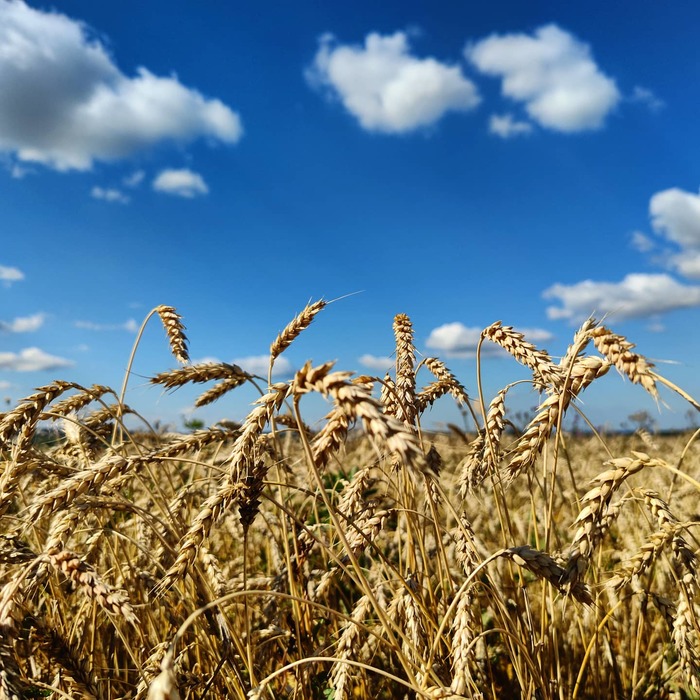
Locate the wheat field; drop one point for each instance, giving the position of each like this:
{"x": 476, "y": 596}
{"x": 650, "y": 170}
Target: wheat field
{"x": 358, "y": 557}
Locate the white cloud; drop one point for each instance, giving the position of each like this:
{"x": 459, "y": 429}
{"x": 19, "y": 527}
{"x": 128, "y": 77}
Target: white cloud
{"x": 109, "y": 194}
{"x": 135, "y": 179}
{"x": 66, "y": 104}
{"x": 259, "y": 364}
{"x": 455, "y": 339}
{"x": 687, "y": 263}
{"x": 10, "y": 274}
{"x": 31, "y": 360}
{"x": 386, "y": 88}
{"x": 675, "y": 214}
{"x": 646, "y": 96}
{"x": 636, "y": 296}
{"x": 4, "y": 385}
{"x": 552, "y": 73}
{"x": 506, "y": 126}
{"x": 23, "y": 324}
{"x": 181, "y": 183}
{"x": 641, "y": 242}
{"x": 380, "y": 364}
{"x": 131, "y": 326}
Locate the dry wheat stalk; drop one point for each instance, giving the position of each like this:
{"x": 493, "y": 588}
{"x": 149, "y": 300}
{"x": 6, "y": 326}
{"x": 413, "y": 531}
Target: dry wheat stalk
{"x": 295, "y": 327}
{"x": 619, "y": 351}
{"x": 357, "y": 402}
{"x": 405, "y": 369}
{"x": 348, "y": 647}
{"x": 175, "y": 330}
{"x": 545, "y": 372}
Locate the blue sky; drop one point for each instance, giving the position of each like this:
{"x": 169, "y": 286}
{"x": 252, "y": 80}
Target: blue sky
{"x": 457, "y": 162}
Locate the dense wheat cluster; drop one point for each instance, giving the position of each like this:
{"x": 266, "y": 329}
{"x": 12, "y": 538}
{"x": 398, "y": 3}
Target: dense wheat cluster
{"x": 358, "y": 557}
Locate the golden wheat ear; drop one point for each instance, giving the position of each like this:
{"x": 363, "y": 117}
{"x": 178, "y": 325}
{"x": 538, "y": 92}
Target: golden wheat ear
{"x": 172, "y": 322}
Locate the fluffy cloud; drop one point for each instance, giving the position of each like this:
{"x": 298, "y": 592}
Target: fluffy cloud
{"x": 181, "y": 183}
{"x": 130, "y": 326}
{"x": 505, "y": 126}
{"x": 386, "y": 88}
{"x": 636, "y": 296}
{"x": 109, "y": 194}
{"x": 675, "y": 214}
{"x": 23, "y": 324}
{"x": 379, "y": 364}
{"x": 31, "y": 360}
{"x": 552, "y": 73}
{"x": 65, "y": 103}
{"x": 10, "y": 274}
{"x": 259, "y": 364}
{"x": 455, "y": 339}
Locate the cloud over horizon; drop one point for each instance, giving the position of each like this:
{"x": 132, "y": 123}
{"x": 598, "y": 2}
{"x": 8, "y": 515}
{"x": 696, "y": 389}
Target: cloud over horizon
{"x": 552, "y": 74}
{"x": 66, "y": 103}
{"x": 385, "y": 87}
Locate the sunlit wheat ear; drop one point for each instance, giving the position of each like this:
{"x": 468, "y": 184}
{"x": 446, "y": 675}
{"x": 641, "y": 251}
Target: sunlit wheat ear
{"x": 21, "y": 421}
{"x": 172, "y": 321}
{"x": 358, "y": 403}
{"x": 619, "y": 351}
{"x": 295, "y": 327}
{"x": 668, "y": 534}
{"x": 387, "y": 397}
{"x": 74, "y": 403}
{"x": 685, "y": 632}
{"x": 543, "y": 566}
{"x": 594, "y": 507}
{"x": 532, "y": 441}
{"x": 443, "y": 374}
{"x": 108, "y": 598}
{"x": 198, "y": 374}
{"x": 405, "y": 369}
{"x": 545, "y": 372}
